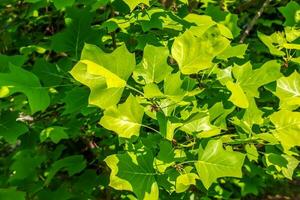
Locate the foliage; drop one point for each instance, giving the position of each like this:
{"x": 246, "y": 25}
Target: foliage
{"x": 145, "y": 99}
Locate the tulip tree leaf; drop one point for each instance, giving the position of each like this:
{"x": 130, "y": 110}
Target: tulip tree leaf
{"x": 154, "y": 66}
{"x": 78, "y": 31}
{"x": 288, "y": 91}
{"x": 250, "y": 80}
{"x": 270, "y": 42}
{"x": 133, "y": 171}
{"x": 196, "y": 53}
{"x": 293, "y": 163}
{"x": 71, "y": 164}
{"x": 184, "y": 181}
{"x": 238, "y": 97}
{"x": 287, "y": 128}
{"x": 12, "y": 193}
{"x": 124, "y": 119}
{"x": 75, "y": 100}
{"x": 62, "y": 4}
{"x": 15, "y": 60}
{"x": 215, "y": 162}
{"x": 20, "y": 80}
{"x": 233, "y": 51}
{"x": 290, "y": 12}
{"x": 105, "y": 74}
{"x": 133, "y": 3}
{"x": 200, "y": 124}
{"x": 55, "y": 133}
{"x": 10, "y": 129}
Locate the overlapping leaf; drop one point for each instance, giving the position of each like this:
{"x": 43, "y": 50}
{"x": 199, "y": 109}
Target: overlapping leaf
{"x": 105, "y": 74}
{"x": 215, "y": 162}
{"x": 133, "y": 172}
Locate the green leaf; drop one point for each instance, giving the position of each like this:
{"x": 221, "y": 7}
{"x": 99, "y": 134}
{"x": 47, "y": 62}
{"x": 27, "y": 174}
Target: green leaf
{"x": 77, "y": 32}
{"x": 62, "y": 4}
{"x": 20, "y": 80}
{"x": 269, "y": 41}
{"x": 184, "y": 181}
{"x": 55, "y": 133}
{"x": 166, "y": 127}
{"x": 290, "y": 12}
{"x": 105, "y": 74}
{"x": 277, "y": 160}
{"x": 71, "y": 164}
{"x": 252, "y": 153}
{"x": 233, "y": 51}
{"x": 173, "y": 86}
{"x": 133, "y": 171}
{"x": 252, "y": 115}
{"x": 133, "y": 3}
{"x": 250, "y": 80}
{"x": 215, "y": 162}
{"x": 124, "y": 119}
{"x": 227, "y": 19}
{"x": 25, "y": 165}
{"x": 154, "y": 66}
{"x": 11, "y": 193}
{"x": 200, "y": 124}
{"x": 238, "y": 96}
{"x": 48, "y": 73}
{"x": 202, "y": 23}
{"x": 287, "y": 128}
{"x": 288, "y": 91}
{"x": 10, "y": 128}
{"x": 293, "y": 163}
{"x": 75, "y": 100}
{"x": 196, "y": 53}
{"x": 15, "y": 60}
{"x": 167, "y": 156}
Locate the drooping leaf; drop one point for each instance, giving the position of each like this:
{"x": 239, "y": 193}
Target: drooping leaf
{"x": 124, "y": 119}
{"x": 20, "y": 80}
{"x": 133, "y": 172}
{"x": 215, "y": 162}
{"x": 287, "y": 128}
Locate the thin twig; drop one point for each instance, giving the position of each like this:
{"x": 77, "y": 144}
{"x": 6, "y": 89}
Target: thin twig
{"x": 254, "y": 20}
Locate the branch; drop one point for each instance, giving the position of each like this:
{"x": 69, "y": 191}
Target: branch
{"x": 254, "y": 20}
